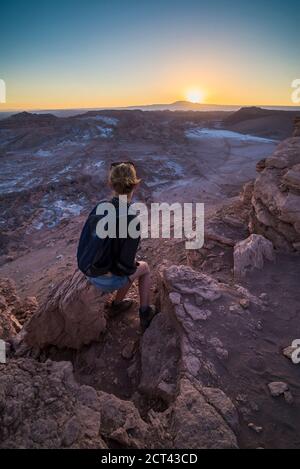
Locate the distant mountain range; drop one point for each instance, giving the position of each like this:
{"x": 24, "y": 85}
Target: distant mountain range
{"x": 188, "y": 106}
{"x": 268, "y": 123}
{"x": 176, "y": 106}
{"x": 185, "y": 106}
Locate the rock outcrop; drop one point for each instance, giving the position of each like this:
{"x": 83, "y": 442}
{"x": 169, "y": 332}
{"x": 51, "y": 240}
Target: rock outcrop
{"x": 178, "y": 361}
{"x": 251, "y": 253}
{"x": 42, "y": 406}
{"x": 276, "y": 196}
{"x": 197, "y": 423}
{"x": 121, "y": 423}
{"x": 160, "y": 362}
{"x": 72, "y": 316}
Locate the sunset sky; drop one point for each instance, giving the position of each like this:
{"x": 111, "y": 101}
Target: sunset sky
{"x": 97, "y": 53}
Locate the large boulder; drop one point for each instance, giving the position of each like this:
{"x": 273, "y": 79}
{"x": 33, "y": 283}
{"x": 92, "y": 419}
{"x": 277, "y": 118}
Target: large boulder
{"x": 73, "y": 315}
{"x": 276, "y": 197}
{"x": 251, "y": 253}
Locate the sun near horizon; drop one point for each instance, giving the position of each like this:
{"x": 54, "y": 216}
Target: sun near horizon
{"x": 64, "y": 55}
{"x": 195, "y": 96}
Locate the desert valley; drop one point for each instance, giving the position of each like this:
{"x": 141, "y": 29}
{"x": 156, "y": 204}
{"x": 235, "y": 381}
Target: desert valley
{"x": 214, "y": 369}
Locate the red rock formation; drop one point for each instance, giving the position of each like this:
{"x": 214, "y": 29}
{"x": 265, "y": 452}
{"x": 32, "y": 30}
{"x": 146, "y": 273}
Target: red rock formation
{"x": 42, "y": 406}
{"x": 72, "y": 316}
{"x": 276, "y": 197}
{"x": 174, "y": 364}
{"x": 251, "y": 253}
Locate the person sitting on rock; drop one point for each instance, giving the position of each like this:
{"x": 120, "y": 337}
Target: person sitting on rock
{"x": 110, "y": 263}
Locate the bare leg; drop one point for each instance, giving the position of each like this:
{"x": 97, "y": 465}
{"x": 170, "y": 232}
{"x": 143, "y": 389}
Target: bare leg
{"x": 142, "y": 273}
{"x": 146, "y": 311}
{"x": 144, "y": 287}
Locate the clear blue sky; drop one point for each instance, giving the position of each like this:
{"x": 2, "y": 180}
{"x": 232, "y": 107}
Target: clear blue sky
{"x": 107, "y": 53}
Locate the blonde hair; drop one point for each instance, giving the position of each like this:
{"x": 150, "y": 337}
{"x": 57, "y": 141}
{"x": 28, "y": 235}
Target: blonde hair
{"x": 123, "y": 178}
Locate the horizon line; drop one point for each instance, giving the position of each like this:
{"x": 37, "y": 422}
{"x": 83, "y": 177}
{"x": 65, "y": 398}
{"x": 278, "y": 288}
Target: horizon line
{"x": 137, "y": 106}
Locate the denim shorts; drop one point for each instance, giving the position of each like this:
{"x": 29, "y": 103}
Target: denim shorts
{"x": 109, "y": 283}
